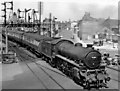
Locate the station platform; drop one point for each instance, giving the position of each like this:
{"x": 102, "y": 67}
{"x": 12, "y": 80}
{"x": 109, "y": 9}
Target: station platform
{"x": 18, "y": 76}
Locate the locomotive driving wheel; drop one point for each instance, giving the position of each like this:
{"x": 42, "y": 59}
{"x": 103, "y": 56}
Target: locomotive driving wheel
{"x": 87, "y": 85}
{"x": 59, "y": 64}
{"x": 52, "y": 63}
{"x": 97, "y": 84}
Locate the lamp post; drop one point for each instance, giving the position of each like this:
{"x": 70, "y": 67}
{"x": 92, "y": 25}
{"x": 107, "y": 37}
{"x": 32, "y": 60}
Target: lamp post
{"x": 6, "y": 38}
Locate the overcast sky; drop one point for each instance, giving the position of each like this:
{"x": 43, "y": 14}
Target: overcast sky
{"x": 71, "y": 9}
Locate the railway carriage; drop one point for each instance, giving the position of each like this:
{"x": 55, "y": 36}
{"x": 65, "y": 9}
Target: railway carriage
{"x": 33, "y": 41}
{"x": 30, "y": 42}
{"x": 15, "y": 36}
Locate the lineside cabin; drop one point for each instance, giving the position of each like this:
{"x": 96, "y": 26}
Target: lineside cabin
{"x": 8, "y": 58}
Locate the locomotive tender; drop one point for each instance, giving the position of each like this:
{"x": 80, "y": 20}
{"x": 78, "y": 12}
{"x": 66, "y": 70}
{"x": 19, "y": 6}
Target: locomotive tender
{"x": 81, "y": 64}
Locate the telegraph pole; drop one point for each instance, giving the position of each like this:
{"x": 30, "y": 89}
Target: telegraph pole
{"x": 50, "y": 19}
{"x": 33, "y": 18}
{"x": 119, "y": 27}
{"x": 40, "y": 5}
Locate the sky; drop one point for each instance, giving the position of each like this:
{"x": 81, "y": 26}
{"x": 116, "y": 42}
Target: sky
{"x": 70, "y": 9}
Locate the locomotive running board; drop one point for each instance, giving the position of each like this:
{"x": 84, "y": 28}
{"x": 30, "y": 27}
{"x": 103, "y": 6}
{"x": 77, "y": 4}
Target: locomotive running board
{"x": 68, "y": 60}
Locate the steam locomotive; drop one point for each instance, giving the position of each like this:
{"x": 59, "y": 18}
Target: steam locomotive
{"x": 81, "y": 64}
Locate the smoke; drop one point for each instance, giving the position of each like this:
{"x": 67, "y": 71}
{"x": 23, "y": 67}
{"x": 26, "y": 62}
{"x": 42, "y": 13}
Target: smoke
{"x": 111, "y": 11}
{"x": 98, "y": 11}
{"x": 76, "y": 10}
{"x": 102, "y": 11}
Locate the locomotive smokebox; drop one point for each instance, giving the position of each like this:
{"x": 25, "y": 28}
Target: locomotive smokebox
{"x": 90, "y": 57}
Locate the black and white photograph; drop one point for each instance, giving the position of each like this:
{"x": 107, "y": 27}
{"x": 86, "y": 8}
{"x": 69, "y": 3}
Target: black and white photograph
{"x": 59, "y": 45}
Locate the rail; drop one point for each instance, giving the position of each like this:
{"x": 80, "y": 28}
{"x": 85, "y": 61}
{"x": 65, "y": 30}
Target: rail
{"x": 118, "y": 70}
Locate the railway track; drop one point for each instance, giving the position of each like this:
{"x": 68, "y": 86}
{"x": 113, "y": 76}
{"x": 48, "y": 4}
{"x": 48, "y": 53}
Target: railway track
{"x": 34, "y": 58}
{"x": 114, "y": 74}
{"x": 118, "y": 70}
{"x": 23, "y": 56}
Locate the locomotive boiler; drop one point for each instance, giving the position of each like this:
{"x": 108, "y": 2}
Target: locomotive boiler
{"x": 88, "y": 56}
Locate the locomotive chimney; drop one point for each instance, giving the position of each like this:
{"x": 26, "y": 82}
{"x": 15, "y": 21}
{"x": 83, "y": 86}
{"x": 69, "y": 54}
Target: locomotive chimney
{"x": 90, "y": 46}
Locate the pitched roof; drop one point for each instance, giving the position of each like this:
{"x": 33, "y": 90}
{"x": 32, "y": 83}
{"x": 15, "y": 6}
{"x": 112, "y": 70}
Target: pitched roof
{"x": 110, "y": 23}
{"x": 87, "y": 17}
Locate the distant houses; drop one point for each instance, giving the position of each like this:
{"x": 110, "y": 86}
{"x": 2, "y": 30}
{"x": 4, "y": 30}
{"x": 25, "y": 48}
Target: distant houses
{"x": 105, "y": 28}
{"x": 110, "y": 28}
